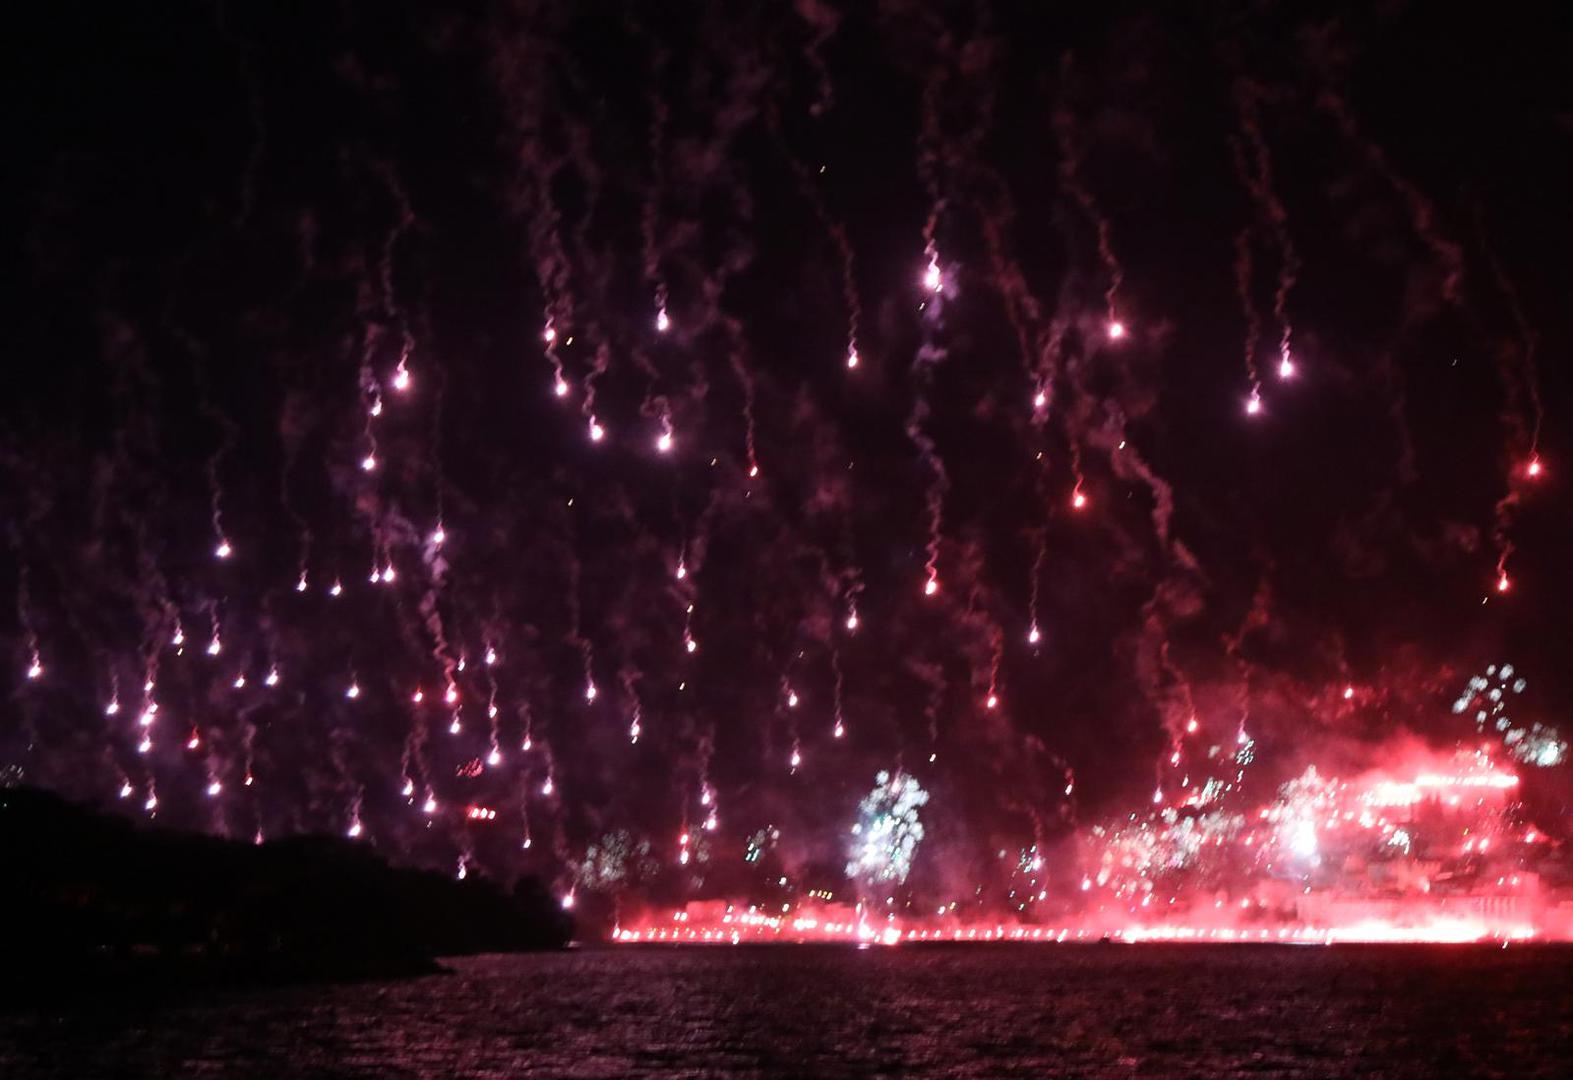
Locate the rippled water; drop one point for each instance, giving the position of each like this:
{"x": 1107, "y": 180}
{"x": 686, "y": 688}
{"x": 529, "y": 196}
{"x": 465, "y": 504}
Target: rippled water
{"x": 1164, "y": 1011}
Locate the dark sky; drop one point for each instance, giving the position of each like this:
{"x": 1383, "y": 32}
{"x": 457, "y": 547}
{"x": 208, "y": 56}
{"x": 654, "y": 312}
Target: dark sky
{"x": 233, "y": 220}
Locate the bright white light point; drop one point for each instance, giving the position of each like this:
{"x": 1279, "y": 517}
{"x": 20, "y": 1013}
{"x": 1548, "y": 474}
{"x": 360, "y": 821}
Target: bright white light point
{"x": 797, "y": 759}
{"x": 560, "y": 388}
{"x": 250, "y": 779}
{"x": 1116, "y": 330}
{"x": 439, "y": 536}
{"x": 1349, "y": 692}
{"x": 546, "y": 788}
{"x": 35, "y": 669}
{"x": 838, "y": 732}
{"x": 223, "y": 550}
{"x": 1078, "y": 500}
{"x": 112, "y": 708}
{"x": 151, "y": 804}
{"x": 663, "y": 442}
{"x": 526, "y": 844}
{"x": 1033, "y": 636}
{"x": 145, "y": 745}
{"x": 354, "y": 830}
{"x": 239, "y": 683}
{"x": 1503, "y": 584}
{"x": 597, "y": 432}
{"x": 401, "y": 379}
{"x": 376, "y": 577}
{"x": 852, "y": 358}
{"x": 214, "y": 788}
{"x": 1285, "y": 367}
{"x": 451, "y": 695}
{"x": 852, "y": 621}
{"x": 550, "y": 335}
{"x": 125, "y": 791}
{"x": 491, "y": 655}
{"x": 273, "y": 677}
{"x": 691, "y": 645}
{"x": 590, "y": 692}
{"x": 1533, "y": 468}
{"x": 992, "y": 701}
{"x": 353, "y": 691}
{"x": 336, "y": 589}
{"x": 430, "y": 806}
{"x": 633, "y": 731}
{"x": 300, "y": 583}
{"x": 376, "y": 407}
{"x": 214, "y": 648}
{"x": 753, "y": 471}
{"x": 662, "y": 323}
{"x": 409, "y": 788}
{"x": 368, "y": 463}
{"x": 491, "y": 711}
{"x": 455, "y": 727}
{"x": 1040, "y": 399}
{"x": 931, "y": 586}
{"x": 1253, "y": 404}
{"x": 1157, "y": 796}
{"x": 792, "y": 699}
{"x": 681, "y": 572}
{"x": 1191, "y": 726}
{"x": 193, "y": 742}
{"x": 931, "y": 277}
{"x": 568, "y": 902}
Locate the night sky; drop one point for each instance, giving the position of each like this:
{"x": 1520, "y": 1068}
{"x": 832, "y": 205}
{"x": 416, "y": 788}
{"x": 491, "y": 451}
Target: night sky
{"x": 241, "y": 227}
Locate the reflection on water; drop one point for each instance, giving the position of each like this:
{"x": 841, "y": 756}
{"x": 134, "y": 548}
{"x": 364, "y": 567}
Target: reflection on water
{"x": 1163, "y": 1011}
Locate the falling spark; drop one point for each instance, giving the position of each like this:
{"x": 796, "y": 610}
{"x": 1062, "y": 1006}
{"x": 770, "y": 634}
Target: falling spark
{"x": 1116, "y": 330}
{"x": 223, "y": 551}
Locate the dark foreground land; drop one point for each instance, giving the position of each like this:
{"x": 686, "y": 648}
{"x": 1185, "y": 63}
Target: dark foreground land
{"x": 95, "y": 906}
{"x": 1167, "y": 1011}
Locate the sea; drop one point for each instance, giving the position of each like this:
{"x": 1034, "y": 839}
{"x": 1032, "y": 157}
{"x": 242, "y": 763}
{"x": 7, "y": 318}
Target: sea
{"x": 1005, "y": 1010}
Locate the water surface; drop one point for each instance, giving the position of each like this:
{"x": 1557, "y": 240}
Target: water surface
{"x": 913, "y": 1011}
